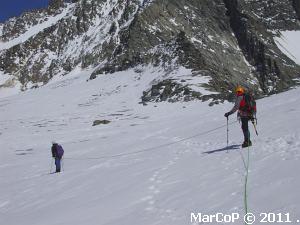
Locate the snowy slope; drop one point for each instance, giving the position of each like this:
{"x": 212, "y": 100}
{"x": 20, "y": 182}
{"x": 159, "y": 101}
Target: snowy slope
{"x": 128, "y": 172}
{"x": 288, "y": 44}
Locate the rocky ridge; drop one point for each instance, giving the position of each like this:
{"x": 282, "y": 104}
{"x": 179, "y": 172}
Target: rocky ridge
{"x": 229, "y": 41}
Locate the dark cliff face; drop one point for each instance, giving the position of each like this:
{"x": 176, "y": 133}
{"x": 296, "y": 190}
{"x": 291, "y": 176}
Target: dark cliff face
{"x": 274, "y": 14}
{"x": 197, "y": 33}
{"x": 259, "y": 48}
{"x": 296, "y": 5}
{"x": 204, "y": 42}
{"x": 229, "y": 41}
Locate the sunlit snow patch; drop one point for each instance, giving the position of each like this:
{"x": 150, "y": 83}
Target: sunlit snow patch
{"x": 8, "y": 85}
{"x": 288, "y": 43}
{"x": 195, "y": 82}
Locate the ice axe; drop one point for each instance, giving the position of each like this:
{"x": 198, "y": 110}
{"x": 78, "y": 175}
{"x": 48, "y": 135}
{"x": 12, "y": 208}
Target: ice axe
{"x": 254, "y": 125}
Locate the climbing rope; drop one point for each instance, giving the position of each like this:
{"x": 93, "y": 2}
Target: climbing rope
{"x": 246, "y": 166}
{"x": 246, "y": 185}
{"x": 152, "y": 148}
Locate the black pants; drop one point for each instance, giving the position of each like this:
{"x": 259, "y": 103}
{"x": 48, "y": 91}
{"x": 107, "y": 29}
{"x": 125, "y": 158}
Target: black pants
{"x": 245, "y": 128}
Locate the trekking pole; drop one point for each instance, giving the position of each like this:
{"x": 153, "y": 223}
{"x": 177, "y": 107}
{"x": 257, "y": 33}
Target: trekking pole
{"x": 254, "y": 127}
{"x": 227, "y": 134}
{"x": 51, "y": 165}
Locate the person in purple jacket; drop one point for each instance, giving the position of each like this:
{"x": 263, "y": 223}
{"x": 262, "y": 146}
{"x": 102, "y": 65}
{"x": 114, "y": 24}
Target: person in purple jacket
{"x": 57, "y": 154}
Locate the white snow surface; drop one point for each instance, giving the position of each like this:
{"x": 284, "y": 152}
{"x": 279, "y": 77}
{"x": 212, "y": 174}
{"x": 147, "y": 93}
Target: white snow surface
{"x": 3, "y": 77}
{"x": 124, "y": 172}
{"x": 194, "y": 81}
{"x": 288, "y": 43}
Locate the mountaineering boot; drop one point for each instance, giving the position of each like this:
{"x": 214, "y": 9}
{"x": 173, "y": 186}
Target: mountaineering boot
{"x": 246, "y": 144}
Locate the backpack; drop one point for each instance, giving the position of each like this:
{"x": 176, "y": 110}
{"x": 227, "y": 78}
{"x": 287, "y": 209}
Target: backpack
{"x": 249, "y": 104}
{"x": 60, "y": 151}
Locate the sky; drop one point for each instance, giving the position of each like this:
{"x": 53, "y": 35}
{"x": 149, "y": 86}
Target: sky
{"x": 11, "y": 8}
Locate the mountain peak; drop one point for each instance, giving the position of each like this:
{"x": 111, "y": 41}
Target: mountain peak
{"x": 232, "y": 42}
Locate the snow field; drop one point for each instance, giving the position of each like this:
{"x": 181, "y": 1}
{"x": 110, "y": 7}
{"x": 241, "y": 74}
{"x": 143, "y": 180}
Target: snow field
{"x": 115, "y": 174}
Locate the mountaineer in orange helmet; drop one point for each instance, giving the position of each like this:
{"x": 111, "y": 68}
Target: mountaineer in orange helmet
{"x": 246, "y": 107}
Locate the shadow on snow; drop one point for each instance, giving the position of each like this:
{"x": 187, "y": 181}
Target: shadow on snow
{"x": 227, "y": 148}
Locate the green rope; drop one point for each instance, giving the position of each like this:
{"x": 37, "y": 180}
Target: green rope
{"x": 246, "y": 183}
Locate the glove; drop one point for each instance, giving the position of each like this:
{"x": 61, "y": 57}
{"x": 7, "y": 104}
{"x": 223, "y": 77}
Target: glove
{"x": 253, "y": 120}
{"x": 227, "y": 114}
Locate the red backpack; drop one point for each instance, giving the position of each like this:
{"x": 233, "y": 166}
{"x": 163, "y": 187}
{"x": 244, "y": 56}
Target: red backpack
{"x": 248, "y": 104}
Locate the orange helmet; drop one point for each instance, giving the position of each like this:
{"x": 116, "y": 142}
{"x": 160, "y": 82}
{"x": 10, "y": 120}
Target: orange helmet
{"x": 239, "y": 90}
